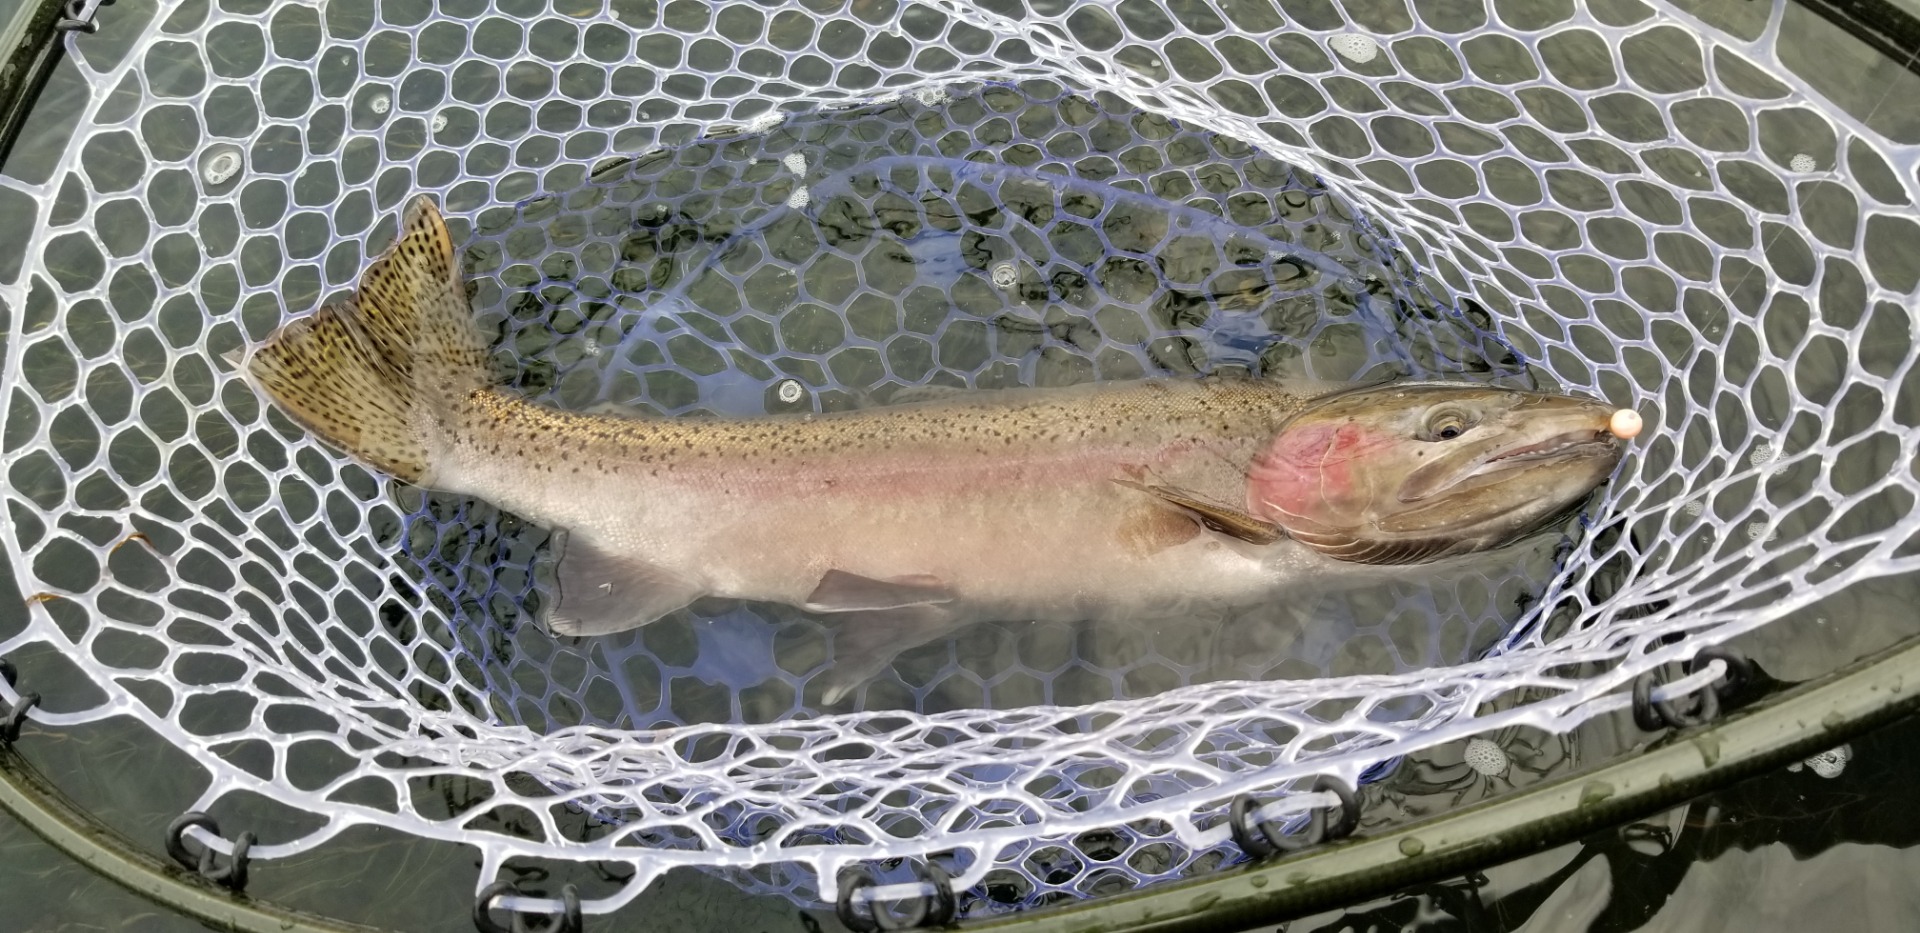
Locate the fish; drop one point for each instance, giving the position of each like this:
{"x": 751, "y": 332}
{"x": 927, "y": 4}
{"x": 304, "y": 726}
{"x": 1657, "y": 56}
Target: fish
{"x": 904, "y": 522}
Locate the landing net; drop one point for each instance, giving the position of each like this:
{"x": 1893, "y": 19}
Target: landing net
{"x": 691, "y": 211}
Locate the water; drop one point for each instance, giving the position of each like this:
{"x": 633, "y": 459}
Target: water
{"x": 1858, "y": 823}
{"x": 928, "y": 242}
{"x": 851, "y": 256}
{"x": 1787, "y": 851}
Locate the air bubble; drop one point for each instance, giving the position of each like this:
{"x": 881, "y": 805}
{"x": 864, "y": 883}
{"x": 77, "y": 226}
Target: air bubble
{"x": 1355, "y": 47}
{"x": 795, "y": 163}
{"x": 380, "y": 103}
{"x": 221, "y": 163}
{"x": 790, "y": 391}
{"x": 439, "y": 122}
{"x": 1487, "y": 757}
{"x": 1757, "y": 531}
{"x": 1802, "y": 163}
{"x": 765, "y": 122}
{"x": 1004, "y": 275}
{"x": 931, "y": 96}
{"x": 799, "y": 198}
{"x": 1763, "y": 455}
{"x": 1694, "y": 508}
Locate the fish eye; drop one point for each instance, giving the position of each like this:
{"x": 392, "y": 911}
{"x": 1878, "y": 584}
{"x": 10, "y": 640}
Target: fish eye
{"x": 1446, "y": 424}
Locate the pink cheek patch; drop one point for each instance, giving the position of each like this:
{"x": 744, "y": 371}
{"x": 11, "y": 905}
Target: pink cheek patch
{"x": 1308, "y": 472}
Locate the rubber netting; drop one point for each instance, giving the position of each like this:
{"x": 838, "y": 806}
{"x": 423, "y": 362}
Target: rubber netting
{"x": 693, "y": 210}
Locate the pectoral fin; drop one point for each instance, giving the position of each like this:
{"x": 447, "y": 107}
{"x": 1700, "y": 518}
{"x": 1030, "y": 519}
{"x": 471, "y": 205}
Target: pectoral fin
{"x": 1224, "y": 519}
{"x": 598, "y": 593}
{"x": 839, "y": 591}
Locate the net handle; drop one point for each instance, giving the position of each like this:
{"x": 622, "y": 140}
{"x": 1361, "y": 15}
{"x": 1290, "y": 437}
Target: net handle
{"x": 31, "y": 45}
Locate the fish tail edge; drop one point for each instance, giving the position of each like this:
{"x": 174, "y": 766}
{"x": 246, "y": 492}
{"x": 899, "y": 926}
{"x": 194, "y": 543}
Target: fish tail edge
{"x": 386, "y": 374}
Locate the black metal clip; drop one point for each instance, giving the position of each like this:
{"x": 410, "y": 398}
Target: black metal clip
{"x": 233, "y": 875}
{"x": 1261, "y": 839}
{"x": 15, "y": 716}
{"x": 931, "y": 910}
{"x": 74, "y": 17}
{"x": 1654, "y": 715}
{"x": 566, "y": 921}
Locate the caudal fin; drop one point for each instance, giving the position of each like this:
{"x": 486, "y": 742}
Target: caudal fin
{"x": 382, "y": 374}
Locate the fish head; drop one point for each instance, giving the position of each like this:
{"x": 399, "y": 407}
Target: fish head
{"x": 1413, "y": 472}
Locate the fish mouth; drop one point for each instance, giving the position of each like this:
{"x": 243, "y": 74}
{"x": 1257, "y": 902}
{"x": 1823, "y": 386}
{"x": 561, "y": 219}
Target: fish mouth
{"x": 1567, "y": 445}
{"x": 1485, "y": 466}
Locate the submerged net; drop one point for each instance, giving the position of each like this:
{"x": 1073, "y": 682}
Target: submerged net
{"x": 689, "y": 211}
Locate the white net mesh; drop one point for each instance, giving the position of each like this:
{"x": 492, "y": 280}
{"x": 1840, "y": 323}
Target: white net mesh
{"x": 834, "y": 202}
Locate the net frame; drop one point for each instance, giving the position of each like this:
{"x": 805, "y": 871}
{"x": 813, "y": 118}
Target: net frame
{"x": 1703, "y": 616}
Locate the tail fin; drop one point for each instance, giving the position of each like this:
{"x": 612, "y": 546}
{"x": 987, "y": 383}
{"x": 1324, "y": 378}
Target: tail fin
{"x": 379, "y": 374}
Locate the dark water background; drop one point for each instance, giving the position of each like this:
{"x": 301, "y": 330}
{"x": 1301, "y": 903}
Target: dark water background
{"x": 1790, "y": 850}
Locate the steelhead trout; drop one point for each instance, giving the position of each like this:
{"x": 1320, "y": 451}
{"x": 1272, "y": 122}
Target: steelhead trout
{"x": 905, "y": 522}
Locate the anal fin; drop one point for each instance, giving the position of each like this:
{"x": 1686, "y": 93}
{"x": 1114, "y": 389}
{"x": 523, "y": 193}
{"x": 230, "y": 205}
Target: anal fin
{"x": 599, "y": 593}
{"x": 1224, "y": 519}
{"x": 839, "y": 591}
